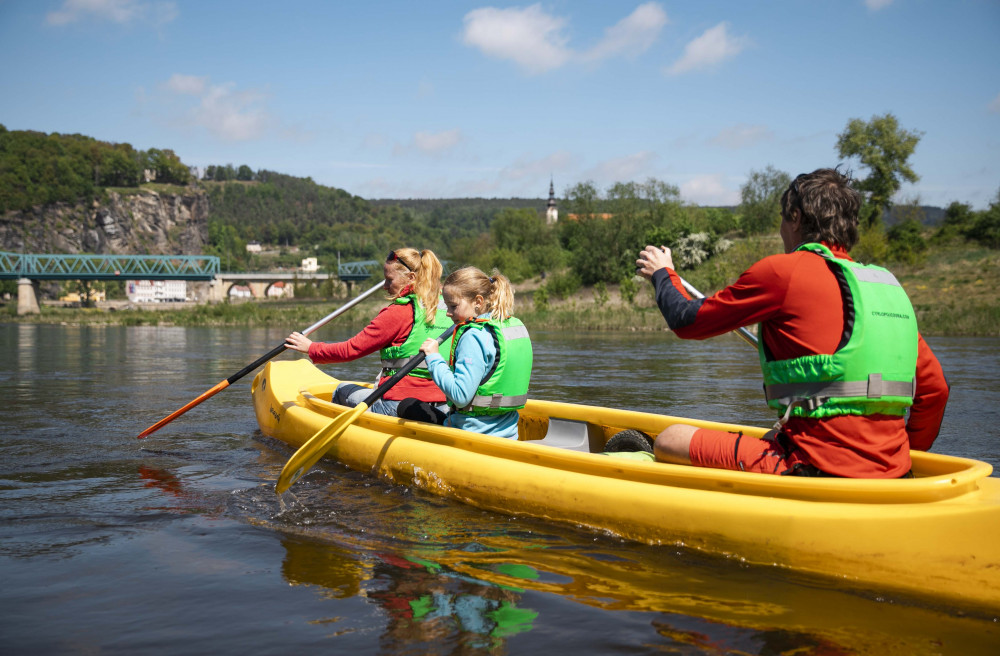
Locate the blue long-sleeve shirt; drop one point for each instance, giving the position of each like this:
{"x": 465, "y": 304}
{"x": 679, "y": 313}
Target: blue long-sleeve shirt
{"x": 474, "y": 356}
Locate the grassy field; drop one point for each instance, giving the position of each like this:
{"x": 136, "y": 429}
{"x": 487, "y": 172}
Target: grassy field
{"x": 954, "y": 292}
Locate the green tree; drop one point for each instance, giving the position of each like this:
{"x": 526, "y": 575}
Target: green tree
{"x": 884, "y": 148}
{"x": 760, "y": 200}
{"x": 906, "y": 242}
{"x": 986, "y": 227}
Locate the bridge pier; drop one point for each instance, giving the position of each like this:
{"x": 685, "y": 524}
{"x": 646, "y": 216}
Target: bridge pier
{"x": 27, "y": 296}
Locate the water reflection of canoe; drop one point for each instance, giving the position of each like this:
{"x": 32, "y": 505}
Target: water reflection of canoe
{"x": 937, "y": 534}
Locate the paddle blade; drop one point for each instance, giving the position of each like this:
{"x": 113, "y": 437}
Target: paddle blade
{"x": 177, "y": 413}
{"x": 310, "y": 452}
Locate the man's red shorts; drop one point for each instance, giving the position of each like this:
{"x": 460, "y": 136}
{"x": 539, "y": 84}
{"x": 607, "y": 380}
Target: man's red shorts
{"x": 724, "y": 450}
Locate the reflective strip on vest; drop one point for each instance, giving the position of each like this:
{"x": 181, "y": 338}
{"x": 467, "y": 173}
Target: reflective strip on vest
{"x": 874, "y": 388}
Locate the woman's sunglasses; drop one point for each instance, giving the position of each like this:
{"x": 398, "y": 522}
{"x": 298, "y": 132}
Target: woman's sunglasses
{"x": 392, "y": 257}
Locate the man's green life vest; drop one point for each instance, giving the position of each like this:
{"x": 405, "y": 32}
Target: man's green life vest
{"x": 873, "y": 370}
{"x": 505, "y": 386}
{"x": 394, "y": 357}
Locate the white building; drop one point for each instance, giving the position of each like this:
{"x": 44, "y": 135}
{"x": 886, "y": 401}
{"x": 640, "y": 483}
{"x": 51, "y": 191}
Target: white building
{"x": 310, "y": 265}
{"x": 551, "y": 211}
{"x": 253, "y": 247}
{"x": 156, "y": 291}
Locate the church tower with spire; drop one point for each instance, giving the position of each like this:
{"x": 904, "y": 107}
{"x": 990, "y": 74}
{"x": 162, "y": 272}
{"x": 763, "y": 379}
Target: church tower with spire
{"x": 551, "y": 211}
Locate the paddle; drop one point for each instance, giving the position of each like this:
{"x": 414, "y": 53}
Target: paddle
{"x": 747, "y": 336}
{"x": 310, "y": 452}
{"x": 256, "y": 363}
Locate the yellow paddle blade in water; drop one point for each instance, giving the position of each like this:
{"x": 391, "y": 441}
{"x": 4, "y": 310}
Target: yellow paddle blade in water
{"x": 310, "y": 452}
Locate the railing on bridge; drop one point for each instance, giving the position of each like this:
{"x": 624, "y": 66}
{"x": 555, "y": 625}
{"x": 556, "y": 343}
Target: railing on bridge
{"x": 358, "y": 271}
{"x": 108, "y": 267}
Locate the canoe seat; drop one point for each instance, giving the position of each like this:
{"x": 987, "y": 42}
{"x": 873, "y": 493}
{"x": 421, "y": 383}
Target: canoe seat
{"x": 566, "y": 434}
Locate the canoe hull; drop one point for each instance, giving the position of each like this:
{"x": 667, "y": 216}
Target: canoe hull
{"x": 937, "y": 535}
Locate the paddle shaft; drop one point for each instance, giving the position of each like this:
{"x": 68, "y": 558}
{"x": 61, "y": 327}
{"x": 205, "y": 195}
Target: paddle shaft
{"x": 277, "y": 350}
{"x": 747, "y": 336}
{"x": 314, "y": 448}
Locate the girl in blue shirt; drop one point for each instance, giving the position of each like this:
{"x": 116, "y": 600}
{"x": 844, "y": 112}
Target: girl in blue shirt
{"x": 472, "y": 297}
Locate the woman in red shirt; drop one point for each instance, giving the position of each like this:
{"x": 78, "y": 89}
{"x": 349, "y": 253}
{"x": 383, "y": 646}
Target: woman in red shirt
{"x": 797, "y": 299}
{"x": 413, "y": 286}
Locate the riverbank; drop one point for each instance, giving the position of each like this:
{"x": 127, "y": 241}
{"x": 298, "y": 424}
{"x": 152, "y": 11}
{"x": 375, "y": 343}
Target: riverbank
{"x": 954, "y": 292}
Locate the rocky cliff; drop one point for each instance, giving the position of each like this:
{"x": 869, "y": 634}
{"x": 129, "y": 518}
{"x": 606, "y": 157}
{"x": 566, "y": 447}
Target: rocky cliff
{"x": 145, "y": 222}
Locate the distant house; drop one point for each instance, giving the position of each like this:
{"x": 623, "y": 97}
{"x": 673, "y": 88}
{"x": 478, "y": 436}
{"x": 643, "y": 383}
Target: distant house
{"x": 156, "y": 291}
{"x": 605, "y": 216}
{"x": 309, "y": 265}
{"x": 277, "y": 290}
{"x": 253, "y": 247}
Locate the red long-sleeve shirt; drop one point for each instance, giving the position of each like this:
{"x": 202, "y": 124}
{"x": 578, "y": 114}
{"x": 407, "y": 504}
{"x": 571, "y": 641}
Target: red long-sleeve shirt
{"x": 797, "y": 301}
{"x": 390, "y": 327}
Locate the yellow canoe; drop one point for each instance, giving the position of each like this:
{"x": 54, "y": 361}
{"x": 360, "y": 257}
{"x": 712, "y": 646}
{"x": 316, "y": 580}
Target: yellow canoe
{"x": 936, "y": 535}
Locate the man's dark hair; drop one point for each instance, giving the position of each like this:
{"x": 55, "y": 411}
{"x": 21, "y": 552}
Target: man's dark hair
{"x": 828, "y": 205}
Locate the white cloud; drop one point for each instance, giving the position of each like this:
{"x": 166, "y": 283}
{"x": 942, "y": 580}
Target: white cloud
{"x": 742, "y": 136}
{"x": 621, "y": 169}
{"x": 192, "y": 85}
{"x": 431, "y": 143}
{"x": 536, "y": 40}
{"x": 712, "y": 47}
{"x": 529, "y": 37}
{"x": 995, "y": 105}
{"x": 709, "y": 190}
{"x": 529, "y": 170}
{"x": 227, "y": 113}
{"x": 875, "y": 5}
{"x": 116, "y": 11}
{"x": 632, "y": 35}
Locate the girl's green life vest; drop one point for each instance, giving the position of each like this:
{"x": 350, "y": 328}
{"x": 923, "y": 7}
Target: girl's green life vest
{"x": 394, "y": 357}
{"x": 873, "y": 370}
{"x": 505, "y": 386}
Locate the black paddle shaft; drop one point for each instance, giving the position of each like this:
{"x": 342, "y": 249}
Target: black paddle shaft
{"x": 407, "y": 368}
{"x": 276, "y": 351}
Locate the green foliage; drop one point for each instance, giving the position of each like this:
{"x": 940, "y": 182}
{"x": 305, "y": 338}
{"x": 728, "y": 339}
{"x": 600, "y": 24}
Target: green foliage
{"x": 540, "y": 299}
{"x": 906, "y": 243}
{"x": 760, "y": 200}
{"x": 604, "y": 235}
{"x": 884, "y": 148}
{"x": 38, "y": 168}
{"x": 628, "y": 288}
{"x": 523, "y": 244}
{"x": 601, "y": 296}
{"x": 872, "y": 246}
{"x": 563, "y": 284}
{"x": 986, "y": 227}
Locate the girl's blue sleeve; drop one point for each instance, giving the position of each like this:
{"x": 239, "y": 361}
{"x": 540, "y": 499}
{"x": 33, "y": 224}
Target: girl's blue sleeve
{"x": 474, "y": 355}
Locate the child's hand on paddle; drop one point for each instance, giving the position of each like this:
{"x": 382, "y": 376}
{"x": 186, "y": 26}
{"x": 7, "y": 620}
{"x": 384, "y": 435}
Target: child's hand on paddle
{"x": 429, "y": 346}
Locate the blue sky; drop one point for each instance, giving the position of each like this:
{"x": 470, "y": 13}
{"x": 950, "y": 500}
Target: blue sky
{"x": 441, "y": 98}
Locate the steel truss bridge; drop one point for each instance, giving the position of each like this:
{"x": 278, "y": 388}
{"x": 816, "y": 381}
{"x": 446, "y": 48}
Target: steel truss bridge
{"x": 108, "y": 267}
{"x": 14, "y": 266}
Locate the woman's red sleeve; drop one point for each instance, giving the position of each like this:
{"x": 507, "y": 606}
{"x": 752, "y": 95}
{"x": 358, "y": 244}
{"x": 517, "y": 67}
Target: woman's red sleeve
{"x": 390, "y": 326}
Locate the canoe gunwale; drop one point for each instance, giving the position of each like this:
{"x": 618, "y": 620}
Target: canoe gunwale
{"x": 957, "y": 477}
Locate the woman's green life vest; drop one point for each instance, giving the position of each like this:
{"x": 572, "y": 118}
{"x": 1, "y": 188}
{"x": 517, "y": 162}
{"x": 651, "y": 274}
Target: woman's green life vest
{"x": 873, "y": 370}
{"x": 394, "y": 357}
{"x": 505, "y": 385}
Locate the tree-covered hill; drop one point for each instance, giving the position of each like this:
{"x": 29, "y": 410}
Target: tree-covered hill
{"x": 41, "y": 169}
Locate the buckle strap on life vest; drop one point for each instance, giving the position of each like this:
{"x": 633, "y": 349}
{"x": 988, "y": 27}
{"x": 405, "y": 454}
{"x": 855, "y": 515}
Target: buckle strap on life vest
{"x": 495, "y": 401}
{"x": 873, "y": 388}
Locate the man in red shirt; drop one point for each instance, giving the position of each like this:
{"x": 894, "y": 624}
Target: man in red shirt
{"x": 801, "y": 299}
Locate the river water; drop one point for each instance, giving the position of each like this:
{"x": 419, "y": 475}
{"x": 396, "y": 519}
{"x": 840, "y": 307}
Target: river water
{"x": 177, "y": 543}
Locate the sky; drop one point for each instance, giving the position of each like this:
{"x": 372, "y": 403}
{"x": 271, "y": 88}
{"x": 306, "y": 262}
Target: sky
{"x": 446, "y": 99}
